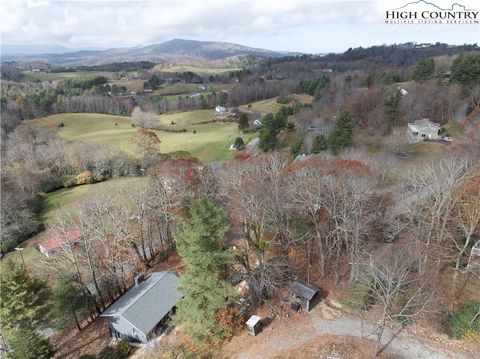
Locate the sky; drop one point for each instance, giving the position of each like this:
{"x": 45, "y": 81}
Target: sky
{"x": 310, "y": 26}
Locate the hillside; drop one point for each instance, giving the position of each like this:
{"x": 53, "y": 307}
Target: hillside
{"x": 173, "y": 49}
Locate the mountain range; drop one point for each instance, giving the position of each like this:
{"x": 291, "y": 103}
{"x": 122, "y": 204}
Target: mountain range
{"x": 176, "y": 48}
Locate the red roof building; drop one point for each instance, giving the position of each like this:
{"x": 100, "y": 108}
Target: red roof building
{"x": 50, "y": 246}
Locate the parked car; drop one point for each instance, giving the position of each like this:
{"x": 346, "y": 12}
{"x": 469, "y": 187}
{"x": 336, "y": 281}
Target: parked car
{"x": 389, "y": 238}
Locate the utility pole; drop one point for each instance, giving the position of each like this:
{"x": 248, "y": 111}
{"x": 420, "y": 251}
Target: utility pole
{"x": 19, "y": 249}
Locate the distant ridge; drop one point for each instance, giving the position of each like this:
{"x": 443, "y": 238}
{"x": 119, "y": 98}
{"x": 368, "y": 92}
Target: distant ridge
{"x": 176, "y": 48}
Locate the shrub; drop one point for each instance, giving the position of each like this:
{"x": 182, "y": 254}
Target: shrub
{"x": 108, "y": 353}
{"x": 230, "y": 319}
{"x": 290, "y": 126}
{"x": 239, "y": 144}
{"x": 465, "y": 323}
{"x": 123, "y": 349}
{"x": 162, "y": 256}
{"x": 61, "y": 124}
{"x": 68, "y": 181}
{"x": 83, "y": 178}
{"x": 283, "y": 99}
{"x": 99, "y": 175}
{"x": 295, "y": 148}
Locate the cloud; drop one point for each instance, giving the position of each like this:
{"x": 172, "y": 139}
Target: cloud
{"x": 130, "y": 23}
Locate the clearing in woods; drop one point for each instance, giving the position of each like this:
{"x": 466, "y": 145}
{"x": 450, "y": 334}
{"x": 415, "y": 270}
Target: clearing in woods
{"x": 195, "y": 69}
{"x": 272, "y": 106}
{"x": 57, "y": 76}
{"x": 63, "y": 201}
{"x": 207, "y": 141}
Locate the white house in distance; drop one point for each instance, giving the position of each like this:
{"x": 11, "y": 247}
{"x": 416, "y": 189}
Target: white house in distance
{"x": 423, "y": 130}
{"x": 403, "y": 91}
{"x": 219, "y": 110}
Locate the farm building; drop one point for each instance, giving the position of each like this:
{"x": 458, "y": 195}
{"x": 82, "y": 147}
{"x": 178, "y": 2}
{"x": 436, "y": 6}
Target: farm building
{"x": 303, "y": 296}
{"x": 220, "y": 110}
{"x": 50, "y": 246}
{"x": 423, "y": 130}
{"x": 144, "y": 311}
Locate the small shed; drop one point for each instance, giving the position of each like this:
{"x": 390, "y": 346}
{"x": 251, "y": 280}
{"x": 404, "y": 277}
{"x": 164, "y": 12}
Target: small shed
{"x": 304, "y": 295}
{"x": 254, "y": 325}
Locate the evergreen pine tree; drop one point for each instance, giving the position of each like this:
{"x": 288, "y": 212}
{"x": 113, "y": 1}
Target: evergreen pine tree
{"x": 320, "y": 143}
{"x": 424, "y": 70}
{"x": 341, "y": 136}
{"x": 22, "y": 297}
{"x": 200, "y": 243}
{"x": 68, "y": 300}
{"x": 466, "y": 69}
{"x": 392, "y": 106}
{"x": 239, "y": 144}
{"x": 243, "y": 122}
{"x": 25, "y": 343}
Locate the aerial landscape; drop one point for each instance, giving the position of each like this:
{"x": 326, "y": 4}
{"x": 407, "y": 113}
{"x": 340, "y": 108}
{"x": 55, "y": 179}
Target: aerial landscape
{"x": 240, "y": 179}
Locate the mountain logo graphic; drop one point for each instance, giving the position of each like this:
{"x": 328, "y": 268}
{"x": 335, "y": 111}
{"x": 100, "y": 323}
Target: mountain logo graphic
{"x": 426, "y": 12}
{"x": 452, "y": 7}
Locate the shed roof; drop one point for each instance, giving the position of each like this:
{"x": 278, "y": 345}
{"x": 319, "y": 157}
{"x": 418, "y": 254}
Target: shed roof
{"x": 303, "y": 290}
{"x": 254, "y": 319}
{"x": 146, "y": 304}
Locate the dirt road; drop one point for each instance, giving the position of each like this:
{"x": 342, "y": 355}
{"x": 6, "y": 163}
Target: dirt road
{"x": 285, "y": 333}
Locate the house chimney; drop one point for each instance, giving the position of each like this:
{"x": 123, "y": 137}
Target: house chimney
{"x": 139, "y": 279}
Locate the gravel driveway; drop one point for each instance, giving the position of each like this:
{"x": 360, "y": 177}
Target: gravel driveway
{"x": 297, "y": 329}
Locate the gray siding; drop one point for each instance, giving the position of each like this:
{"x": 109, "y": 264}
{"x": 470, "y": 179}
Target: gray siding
{"x": 126, "y": 330}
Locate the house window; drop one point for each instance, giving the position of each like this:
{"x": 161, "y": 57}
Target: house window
{"x": 424, "y": 135}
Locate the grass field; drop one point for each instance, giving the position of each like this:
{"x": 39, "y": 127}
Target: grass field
{"x": 196, "y": 69}
{"x": 264, "y": 106}
{"x": 50, "y": 76}
{"x": 180, "y": 88}
{"x": 272, "y": 106}
{"x": 64, "y": 200}
{"x": 210, "y": 142}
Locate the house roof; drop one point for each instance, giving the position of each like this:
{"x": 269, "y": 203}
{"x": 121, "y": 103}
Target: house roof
{"x": 303, "y": 290}
{"x": 424, "y": 122}
{"x": 147, "y": 303}
{"x": 54, "y": 243}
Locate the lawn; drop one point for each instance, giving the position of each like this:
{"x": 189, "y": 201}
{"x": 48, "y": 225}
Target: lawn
{"x": 272, "y": 106}
{"x": 57, "y": 76}
{"x": 210, "y": 142}
{"x": 197, "y": 69}
{"x": 453, "y": 129}
{"x": 64, "y": 200}
{"x": 264, "y": 106}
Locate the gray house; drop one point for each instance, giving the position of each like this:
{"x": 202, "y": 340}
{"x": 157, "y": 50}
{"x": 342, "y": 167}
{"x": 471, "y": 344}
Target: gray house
{"x": 143, "y": 312}
{"x": 423, "y": 130}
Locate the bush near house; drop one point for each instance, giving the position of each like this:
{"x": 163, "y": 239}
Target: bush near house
{"x": 465, "y": 323}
